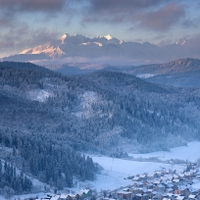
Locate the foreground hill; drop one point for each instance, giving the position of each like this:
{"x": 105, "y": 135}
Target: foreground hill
{"x": 44, "y": 115}
{"x": 28, "y": 130}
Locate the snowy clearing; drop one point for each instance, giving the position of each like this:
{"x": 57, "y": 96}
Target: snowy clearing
{"x": 116, "y": 170}
{"x": 88, "y": 98}
{"x": 189, "y": 152}
{"x": 39, "y": 95}
{"x": 145, "y": 75}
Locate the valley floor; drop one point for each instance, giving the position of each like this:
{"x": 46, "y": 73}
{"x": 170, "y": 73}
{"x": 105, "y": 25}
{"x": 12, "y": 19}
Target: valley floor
{"x": 116, "y": 171}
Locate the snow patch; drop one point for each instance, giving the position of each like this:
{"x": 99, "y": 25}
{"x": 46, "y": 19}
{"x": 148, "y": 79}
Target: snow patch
{"x": 39, "y": 95}
{"x": 88, "y": 98}
{"x": 85, "y": 43}
{"x": 145, "y": 75}
{"x": 99, "y": 44}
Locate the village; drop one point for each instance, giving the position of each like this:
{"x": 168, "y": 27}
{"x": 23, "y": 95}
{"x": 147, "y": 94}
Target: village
{"x": 159, "y": 185}
{"x": 163, "y": 185}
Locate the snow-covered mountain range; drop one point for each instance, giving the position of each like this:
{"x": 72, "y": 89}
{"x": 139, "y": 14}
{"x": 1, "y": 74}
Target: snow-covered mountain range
{"x": 104, "y": 49}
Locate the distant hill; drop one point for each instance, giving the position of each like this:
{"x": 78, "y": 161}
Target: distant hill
{"x": 183, "y": 72}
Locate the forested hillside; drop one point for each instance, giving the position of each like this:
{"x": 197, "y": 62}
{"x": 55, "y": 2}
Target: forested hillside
{"x": 182, "y": 72}
{"x": 48, "y": 120}
{"x": 29, "y": 125}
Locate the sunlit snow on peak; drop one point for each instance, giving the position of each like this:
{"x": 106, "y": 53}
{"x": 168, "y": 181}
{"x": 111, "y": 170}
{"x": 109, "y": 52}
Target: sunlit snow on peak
{"x": 182, "y": 41}
{"x": 108, "y": 37}
{"x": 99, "y": 44}
{"x": 85, "y": 43}
{"x": 63, "y": 37}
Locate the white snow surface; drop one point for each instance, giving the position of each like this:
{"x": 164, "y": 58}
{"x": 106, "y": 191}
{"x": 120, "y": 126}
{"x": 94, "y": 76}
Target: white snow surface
{"x": 39, "y": 95}
{"x": 87, "y": 99}
{"x": 189, "y": 152}
{"x": 145, "y": 75}
{"x": 117, "y": 170}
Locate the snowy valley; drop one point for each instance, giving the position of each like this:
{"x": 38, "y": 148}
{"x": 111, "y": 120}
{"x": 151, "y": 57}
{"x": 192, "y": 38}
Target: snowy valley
{"x": 58, "y": 131}
{"x": 175, "y": 171}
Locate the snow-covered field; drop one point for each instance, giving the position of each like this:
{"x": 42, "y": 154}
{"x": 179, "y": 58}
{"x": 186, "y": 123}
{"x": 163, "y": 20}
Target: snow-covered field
{"x": 189, "y": 152}
{"x": 117, "y": 170}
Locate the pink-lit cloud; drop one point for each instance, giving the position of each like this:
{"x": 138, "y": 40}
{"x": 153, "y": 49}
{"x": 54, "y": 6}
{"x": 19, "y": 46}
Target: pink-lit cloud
{"x": 163, "y": 18}
{"x": 158, "y": 15}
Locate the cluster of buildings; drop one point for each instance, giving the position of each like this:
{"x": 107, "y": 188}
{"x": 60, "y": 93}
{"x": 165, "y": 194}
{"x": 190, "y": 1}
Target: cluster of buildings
{"x": 82, "y": 194}
{"x": 161, "y": 185}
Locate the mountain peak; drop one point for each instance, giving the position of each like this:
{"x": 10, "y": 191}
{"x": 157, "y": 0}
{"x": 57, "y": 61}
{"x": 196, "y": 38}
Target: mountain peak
{"x": 63, "y": 37}
{"x": 182, "y": 41}
{"x": 108, "y": 37}
{"x": 109, "y": 50}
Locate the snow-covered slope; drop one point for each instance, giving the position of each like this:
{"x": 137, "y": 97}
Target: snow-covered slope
{"x": 105, "y": 49}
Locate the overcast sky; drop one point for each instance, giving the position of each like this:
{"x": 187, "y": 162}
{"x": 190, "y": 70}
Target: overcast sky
{"x": 28, "y": 23}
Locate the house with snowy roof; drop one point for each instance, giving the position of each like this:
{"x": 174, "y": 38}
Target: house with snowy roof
{"x": 84, "y": 193}
{"x": 136, "y": 178}
{"x": 63, "y": 196}
{"x": 151, "y": 176}
{"x": 56, "y": 197}
{"x": 142, "y": 196}
{"x": 192, "y": 197}
{"x": 124, "y": 194}
{"x": 179, "y": 197}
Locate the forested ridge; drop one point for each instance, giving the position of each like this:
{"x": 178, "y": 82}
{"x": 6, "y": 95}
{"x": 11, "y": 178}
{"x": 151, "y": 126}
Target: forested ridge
{"x": 182, "y": 72}
{"x": 48, "y": 120}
